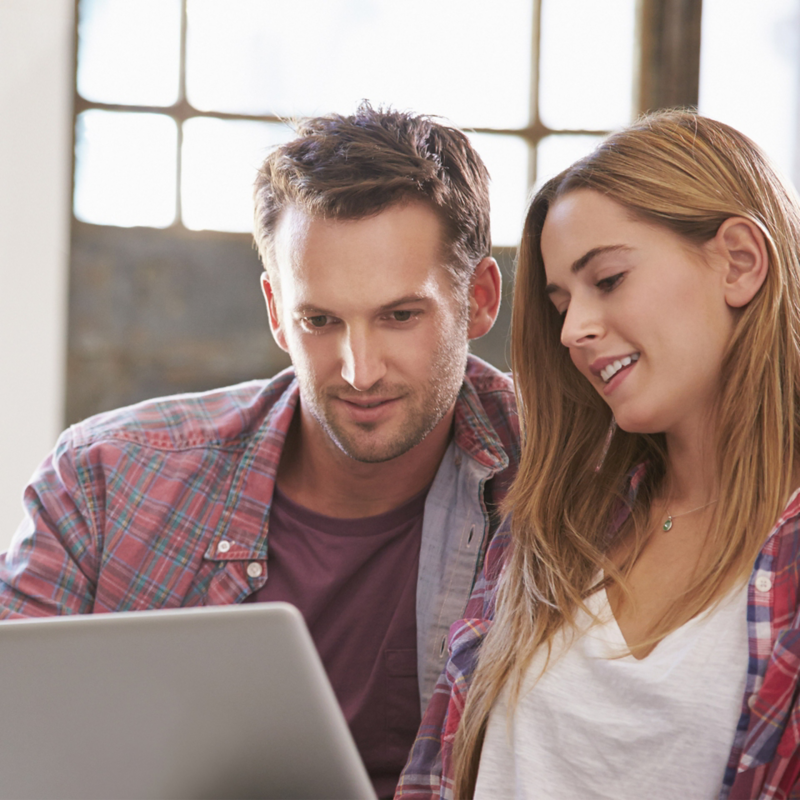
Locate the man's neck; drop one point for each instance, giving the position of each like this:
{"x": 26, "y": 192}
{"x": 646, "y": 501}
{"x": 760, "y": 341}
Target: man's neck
{"x": 316, "y": 474}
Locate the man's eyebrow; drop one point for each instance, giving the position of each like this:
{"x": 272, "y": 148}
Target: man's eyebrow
{"x": 307, "y": 309}
{"x": 409, "y": 298}
{"x": 581, "y": 262}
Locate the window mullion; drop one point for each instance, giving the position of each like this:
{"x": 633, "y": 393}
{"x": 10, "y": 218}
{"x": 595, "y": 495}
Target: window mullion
{"x": 669, "y": 53}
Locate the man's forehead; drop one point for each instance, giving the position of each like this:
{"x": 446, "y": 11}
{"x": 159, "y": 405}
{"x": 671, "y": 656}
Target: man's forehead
{"x": 388, "y": 256}
{"x": 417, "y": 221}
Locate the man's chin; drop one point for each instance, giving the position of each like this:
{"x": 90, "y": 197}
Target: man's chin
{"x": 373, "y": 453}
{"x": 379, "y": 441}
{"x": 374, "y": 447}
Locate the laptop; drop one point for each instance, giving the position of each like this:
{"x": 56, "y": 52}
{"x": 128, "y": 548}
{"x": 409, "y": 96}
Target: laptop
{"x": 215, "y": 702}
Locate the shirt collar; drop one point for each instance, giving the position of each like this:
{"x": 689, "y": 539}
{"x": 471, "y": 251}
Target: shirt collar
{"x": 245, "y": 517}
{"x": 474, "y": 433}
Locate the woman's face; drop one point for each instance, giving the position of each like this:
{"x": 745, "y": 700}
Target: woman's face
{"x": 644, "y": 314}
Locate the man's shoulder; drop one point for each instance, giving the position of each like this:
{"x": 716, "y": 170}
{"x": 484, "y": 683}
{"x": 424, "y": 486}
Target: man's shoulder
{"x": 488, "y": 380}
{"x": 219, "y": 417}
{"x": 494, "y": 391}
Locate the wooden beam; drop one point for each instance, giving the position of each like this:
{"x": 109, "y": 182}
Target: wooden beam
{"x": 669, "y": 55}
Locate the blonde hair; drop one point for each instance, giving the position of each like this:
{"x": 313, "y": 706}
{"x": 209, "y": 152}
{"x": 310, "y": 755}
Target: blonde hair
{"x": 688, "y": 174}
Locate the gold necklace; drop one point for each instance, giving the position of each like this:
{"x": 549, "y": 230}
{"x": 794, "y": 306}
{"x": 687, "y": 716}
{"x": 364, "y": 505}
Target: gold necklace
{"x": 668, "y": 521}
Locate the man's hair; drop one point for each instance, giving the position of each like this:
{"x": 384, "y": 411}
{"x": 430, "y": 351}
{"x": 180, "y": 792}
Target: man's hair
{"x": 353, "y": 167}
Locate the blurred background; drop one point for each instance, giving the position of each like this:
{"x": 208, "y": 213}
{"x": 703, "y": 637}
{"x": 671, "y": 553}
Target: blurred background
{"x": 130, "y": 131}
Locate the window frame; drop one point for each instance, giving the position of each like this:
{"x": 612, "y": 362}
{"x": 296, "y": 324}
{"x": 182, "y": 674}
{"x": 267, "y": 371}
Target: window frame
{"x": 666, "y": 74}
{"x": 154, "y": 311}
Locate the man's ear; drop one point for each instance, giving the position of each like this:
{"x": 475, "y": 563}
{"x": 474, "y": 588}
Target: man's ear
{"x": 742, "y": 246}
{"x": 484, "y": 298}
{"x": 272, "y": 310}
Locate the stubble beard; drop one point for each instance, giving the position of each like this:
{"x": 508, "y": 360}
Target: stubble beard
{"x": 425, "y": 407}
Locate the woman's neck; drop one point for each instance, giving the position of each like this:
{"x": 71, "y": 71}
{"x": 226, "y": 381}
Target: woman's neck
{"x": 691, "y": 470}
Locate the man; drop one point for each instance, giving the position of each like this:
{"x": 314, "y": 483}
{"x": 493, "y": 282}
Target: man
{"x": 363, "y": 484}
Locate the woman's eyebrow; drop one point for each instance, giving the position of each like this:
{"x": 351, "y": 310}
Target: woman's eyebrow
{"x": 581, "y": 262}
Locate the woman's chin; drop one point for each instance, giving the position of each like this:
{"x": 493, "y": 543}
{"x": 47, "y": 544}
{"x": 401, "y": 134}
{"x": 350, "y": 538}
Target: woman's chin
{"x": 634, "y": 424}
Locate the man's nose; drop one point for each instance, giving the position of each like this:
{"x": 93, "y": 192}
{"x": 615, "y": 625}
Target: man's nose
{"x": 363, "y": 363}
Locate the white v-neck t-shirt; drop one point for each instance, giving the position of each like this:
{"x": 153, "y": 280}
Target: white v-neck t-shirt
{"x": 603, "y": 727}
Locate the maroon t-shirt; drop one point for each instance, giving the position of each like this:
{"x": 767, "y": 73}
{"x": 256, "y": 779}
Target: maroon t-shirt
{"x": 355, "y": 582}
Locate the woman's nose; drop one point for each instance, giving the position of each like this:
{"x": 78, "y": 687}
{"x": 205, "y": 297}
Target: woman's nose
{"x": 582, "y": 324}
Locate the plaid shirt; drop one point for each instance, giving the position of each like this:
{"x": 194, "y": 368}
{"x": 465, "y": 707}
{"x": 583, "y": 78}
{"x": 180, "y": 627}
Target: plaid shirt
{"x": 166, "y": 504}
{"x": 765, "y": 757}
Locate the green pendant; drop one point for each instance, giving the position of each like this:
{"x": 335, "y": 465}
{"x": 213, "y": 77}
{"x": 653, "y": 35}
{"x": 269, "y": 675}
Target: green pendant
{"x": 667, "y": 524}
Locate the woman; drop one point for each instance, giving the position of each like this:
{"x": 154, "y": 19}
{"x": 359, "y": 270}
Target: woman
{"x": 645, "y": 638}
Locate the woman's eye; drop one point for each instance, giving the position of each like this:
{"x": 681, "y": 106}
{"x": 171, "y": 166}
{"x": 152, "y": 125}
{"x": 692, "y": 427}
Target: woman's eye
{"x": 607, "y": 284}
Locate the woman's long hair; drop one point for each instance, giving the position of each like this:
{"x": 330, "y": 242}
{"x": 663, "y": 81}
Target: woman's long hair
{"x": 688, "y": 174}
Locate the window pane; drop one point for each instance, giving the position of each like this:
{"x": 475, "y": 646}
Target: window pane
{"x": 506, "y": 158}
{"x": 129, "y": 51}
{"x": 753, "y": 88}
{"x": 220, "y": 159}
{"x": 556, "y": 153}
{"x": 586, "y": 65}
{"x": 125, "y": 166}
{"x": 468, "y": 61}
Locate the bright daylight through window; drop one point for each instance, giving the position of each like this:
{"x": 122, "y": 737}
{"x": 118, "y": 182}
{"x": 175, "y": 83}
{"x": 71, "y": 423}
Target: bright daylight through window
{"x": 178, "y": 101}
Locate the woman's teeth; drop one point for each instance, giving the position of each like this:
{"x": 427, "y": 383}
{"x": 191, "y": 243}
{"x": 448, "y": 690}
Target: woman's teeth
{"x": 612, "y": 369}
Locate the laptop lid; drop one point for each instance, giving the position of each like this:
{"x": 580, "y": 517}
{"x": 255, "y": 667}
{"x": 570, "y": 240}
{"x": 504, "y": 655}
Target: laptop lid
{"x": 223, "y": 701}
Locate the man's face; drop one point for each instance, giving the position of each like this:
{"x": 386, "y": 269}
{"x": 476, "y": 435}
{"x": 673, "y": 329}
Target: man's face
{"x": 370, "y": 319}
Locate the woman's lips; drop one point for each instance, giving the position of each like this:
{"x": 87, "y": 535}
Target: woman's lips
{"x": 617, "y": 378}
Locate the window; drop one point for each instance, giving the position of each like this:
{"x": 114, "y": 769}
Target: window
{"x": 749, "y": 73}
{"x": 178, "y": 101}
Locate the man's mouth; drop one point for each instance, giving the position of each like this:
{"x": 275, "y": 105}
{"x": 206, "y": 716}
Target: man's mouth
{"x": 366, "y": 403}
{"x": 373, "y": 404}
{"x": 612, "y": 369}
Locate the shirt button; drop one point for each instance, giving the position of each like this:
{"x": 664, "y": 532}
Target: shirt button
{"x": 763, "y": 583}
{"x": 254, "y": 569}
{"x": 751, "y": 701}
{"x": 223, "y": 546}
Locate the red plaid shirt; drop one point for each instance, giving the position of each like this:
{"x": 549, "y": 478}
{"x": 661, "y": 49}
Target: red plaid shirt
{"x": 765, "y": 757}
{"x": 166, "y": 503}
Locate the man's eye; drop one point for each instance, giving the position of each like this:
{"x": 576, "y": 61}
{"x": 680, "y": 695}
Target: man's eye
{"x": 401, "y": 316}
{"x": 317, "y": 321}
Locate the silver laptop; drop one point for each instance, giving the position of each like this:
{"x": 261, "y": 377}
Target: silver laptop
{"x": 219, "y": 702}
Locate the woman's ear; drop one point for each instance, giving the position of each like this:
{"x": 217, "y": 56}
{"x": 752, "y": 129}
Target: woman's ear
{"x": 740, "y": 244}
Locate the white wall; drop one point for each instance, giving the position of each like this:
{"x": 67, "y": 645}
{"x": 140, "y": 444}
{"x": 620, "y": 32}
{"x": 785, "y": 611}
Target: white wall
{"x": 35, "y": 138}
{"x": 749, "y": 69}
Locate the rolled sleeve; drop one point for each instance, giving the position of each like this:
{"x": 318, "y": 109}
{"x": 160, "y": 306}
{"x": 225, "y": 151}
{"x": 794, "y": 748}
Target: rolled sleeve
{"x": 50, "y": 566}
